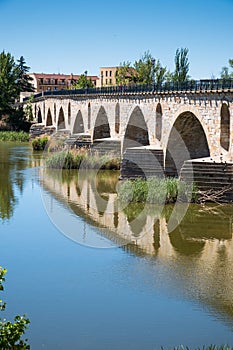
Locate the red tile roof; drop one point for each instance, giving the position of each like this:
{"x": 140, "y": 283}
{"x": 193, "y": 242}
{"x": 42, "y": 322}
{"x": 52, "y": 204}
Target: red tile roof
{"x": 61, "y": 76}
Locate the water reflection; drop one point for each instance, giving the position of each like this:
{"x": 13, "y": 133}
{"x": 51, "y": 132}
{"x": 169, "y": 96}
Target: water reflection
{"x": 95, "y": 197}
{"x": 198, "y": 253}
{"x": 13, "y": 160}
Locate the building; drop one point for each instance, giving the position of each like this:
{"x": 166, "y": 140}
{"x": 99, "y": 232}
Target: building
{"x": 107, "y": 76}
{"x": 49, "y": 82}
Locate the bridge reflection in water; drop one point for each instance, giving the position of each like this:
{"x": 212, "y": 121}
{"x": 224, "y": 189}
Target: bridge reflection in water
{"x": 198, "y": 252}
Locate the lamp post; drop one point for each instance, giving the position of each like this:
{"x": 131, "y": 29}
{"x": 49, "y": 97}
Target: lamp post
{"x": 85, "y": 73}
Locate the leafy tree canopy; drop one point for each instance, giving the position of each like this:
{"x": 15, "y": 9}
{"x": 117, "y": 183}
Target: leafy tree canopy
{"x": 225, "y": 72}
{"x": 83, "y": 82}
{"x": 13, "y": 80}
{"x": 180, "y": 74}
{"x": 125, "y": 74}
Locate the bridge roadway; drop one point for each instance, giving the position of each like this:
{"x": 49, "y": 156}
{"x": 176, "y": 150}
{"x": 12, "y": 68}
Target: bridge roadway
{"x": 166, "y": 126}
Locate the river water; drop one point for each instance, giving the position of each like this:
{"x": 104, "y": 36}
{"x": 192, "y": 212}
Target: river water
{"x": 92, "y": 275}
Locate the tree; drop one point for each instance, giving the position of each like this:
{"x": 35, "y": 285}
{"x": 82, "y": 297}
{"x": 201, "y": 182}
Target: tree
{"x": 225, "y": 73}
{"x": 181, "y": 66}
{"x": 83, "y": 82}
{"x": 144, "y": 69}
{"x": 11, "y": 332}
{"x": 13, "y": 80}
{"x": 9, "y": 90}
{"x": 160, "y": 73}
{"x": 149, "y": 70}
{"x": 125, "y": 74}
{"x": 24, "y": 81}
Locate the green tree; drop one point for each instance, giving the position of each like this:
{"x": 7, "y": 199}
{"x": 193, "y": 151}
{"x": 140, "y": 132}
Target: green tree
{"x": 125, "y": 74}
{"x": 24, "y": 81}
{"x": 225, "y": 72}
{"x": 145, "y": 69}
{"x": 11, "y": 332}
{"x": 9, "y": 90}
{"x": 13, "y": 80}
{"x": 181, "y": 66}
{"x": 149, "y": 70}
{"x": 83, "y": 82}
{"x": 160, "y": 73}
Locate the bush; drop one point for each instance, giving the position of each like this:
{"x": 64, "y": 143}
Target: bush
{"x": 12, "y": 332}
{"x": 40, "y": 143}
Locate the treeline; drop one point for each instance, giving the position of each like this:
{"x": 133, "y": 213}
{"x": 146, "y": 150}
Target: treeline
{"x": 14, "y": 79}
{"x": 148, "y": 70}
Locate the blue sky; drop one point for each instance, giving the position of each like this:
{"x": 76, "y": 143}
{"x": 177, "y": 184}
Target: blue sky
{"x": 74, "y": 36}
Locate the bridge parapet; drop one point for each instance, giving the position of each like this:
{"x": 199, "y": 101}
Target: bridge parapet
{"x": 192, "y": 86}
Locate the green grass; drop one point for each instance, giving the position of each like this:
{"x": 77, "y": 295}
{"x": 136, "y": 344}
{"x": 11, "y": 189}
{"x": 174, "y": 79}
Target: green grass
{"x": 81, "y": 159}
{"x": 20, "y": 136}
{"x": 39, "y": 143}
{"x": 155, "y": 190}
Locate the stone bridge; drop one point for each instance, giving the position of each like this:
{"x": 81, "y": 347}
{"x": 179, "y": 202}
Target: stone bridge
{"x": 174, "y": 125}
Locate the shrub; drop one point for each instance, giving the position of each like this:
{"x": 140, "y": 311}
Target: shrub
{"x": 11, "y": 332}
{"x": 40, "y": 143}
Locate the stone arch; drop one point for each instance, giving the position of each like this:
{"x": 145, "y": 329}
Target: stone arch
{"x": 39, "y": 116}
{"x": 69, "y": 113}
{"x": 54, "y": 112}
{"x": 225, "y": 127}
{"x": 117, "y": 118}
{"x": 187, "y": 140}
{"x": 61, "y": 120}
{"x": 49, "y": 121}
{"x": 78, "y": 124}
{"x": 89, "y": 116}
{"x": 136, "y": 133}
{"x": 102, "y": 128}
{"x": 158, "y": 126}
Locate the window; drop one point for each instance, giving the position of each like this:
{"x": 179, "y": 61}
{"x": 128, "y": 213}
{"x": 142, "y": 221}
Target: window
{"x": 110, "y": 81}
{"x": 110, "y": 73}
{"x": 106, "y": 73}
{"x": 106, "y": 81}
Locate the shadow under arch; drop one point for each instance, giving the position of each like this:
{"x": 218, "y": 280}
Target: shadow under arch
{"x": 187, "y": 140}
{"x": 225, "y": 127}
{"x": 89, "y": 116}
{"x": 158, "y": 127}
{"x": 78, "y": 124}
{"x": 49, "y": 121}
{"x": 61, "y": 120}
{"x": 136, "y": 133}
{"x": 117, "y": 118}
{"x": 39, "y": 116}
{"x": 54, "y": 112}
{"x": 101, "y": 128}
{"x": 69, "y": 113}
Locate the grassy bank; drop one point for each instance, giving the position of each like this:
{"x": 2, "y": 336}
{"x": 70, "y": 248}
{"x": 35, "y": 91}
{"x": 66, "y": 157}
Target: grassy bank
{"x": 20, "y": 136}
{"x": 155, "y": 190}
{"x": 81, "y": 158}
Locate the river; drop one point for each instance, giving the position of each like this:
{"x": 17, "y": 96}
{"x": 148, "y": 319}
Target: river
{"x": 91, "y": 275}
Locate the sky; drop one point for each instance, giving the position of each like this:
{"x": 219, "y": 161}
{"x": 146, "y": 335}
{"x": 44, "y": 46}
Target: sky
{"x": 73, "y": 36}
